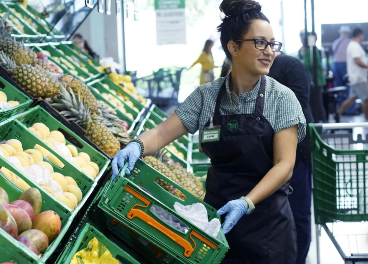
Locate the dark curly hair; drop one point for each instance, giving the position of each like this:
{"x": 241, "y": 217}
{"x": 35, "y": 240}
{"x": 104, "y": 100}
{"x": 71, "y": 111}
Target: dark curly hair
{"x": 239, "y": 15}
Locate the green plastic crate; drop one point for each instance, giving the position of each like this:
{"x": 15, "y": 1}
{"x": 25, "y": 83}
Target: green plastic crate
{"x": 87, "y": 233}
{"x": 48, "y": 26}
{"x": 112, "y": 86}
{"x": 29, "y": 34}
{"x": 129, "y": 200}
{"x": 48, "y": 203}
{"x": 78, "y": 61}
{"x": 98, "y": 89}
{"x": 158, "y": 112}
{"x": 40, "y": 115}
{"x": 81, "y": 53}
{"x": 146, "y": 124}
{"x": 82, "y": 75}
{"x": 13, "y": 94}
{"x": 340, "y": 190}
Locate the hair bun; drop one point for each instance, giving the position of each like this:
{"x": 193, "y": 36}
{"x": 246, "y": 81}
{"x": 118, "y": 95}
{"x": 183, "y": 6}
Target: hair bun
{"x": 238, "y": 7}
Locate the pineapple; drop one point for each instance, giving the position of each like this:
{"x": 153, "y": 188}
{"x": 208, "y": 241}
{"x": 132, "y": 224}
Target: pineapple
{"x": 75, "y": 110}
{"x": 113, "y": 123}
{"x": 32, "y": 79}
{"x": 80, "y": 88}
{"x": 45, "y": 65}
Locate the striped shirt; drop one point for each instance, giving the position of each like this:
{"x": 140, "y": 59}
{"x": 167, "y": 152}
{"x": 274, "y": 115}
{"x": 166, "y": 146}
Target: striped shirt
{"x": 281, "y": 107}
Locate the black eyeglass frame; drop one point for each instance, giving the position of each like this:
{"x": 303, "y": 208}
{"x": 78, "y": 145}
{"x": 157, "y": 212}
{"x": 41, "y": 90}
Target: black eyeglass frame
{"x": 272, "y": 43}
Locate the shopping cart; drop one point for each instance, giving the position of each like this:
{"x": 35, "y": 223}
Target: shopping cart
{"x": 340, "y": 180}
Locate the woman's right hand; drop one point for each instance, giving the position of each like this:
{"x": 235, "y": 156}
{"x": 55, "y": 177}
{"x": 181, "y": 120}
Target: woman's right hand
{"x": 130, "y": 153}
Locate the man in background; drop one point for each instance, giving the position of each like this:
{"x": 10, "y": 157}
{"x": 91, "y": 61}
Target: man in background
{"x": 339, "y": 47}
{"x": 291, "y": 72}
{"x": 356, "y": 63}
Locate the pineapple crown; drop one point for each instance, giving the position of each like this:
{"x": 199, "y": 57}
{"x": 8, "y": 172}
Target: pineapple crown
{"x": 6, "y": 62}
{"x": 71, "y": 107}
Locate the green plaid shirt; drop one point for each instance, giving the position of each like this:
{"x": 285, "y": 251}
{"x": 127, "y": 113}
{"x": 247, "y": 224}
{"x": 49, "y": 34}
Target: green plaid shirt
{"x": 281, "y": 107}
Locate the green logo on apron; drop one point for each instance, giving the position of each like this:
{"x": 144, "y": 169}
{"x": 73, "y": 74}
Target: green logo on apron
{"x": 232, "y": 125}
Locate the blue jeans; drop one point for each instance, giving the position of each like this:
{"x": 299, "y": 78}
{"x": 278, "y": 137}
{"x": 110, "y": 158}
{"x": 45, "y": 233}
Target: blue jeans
{"x": 339, "y": 70}
{"x": 300, "y": 202}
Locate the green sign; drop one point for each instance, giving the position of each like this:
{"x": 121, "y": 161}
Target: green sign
{"x": 169, "y": 4}
{"x": 232, "y": 125}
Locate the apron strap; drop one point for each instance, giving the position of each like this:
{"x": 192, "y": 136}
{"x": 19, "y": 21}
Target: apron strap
{"x": 260, "y": 98}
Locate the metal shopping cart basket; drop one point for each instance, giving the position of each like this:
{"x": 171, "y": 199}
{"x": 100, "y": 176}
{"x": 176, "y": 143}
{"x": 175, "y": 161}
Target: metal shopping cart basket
{"x": 340, "y": 178}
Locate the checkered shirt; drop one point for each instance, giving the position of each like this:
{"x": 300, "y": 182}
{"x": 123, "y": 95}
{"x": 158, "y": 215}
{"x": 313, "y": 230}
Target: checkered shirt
{"x": 281, "y": 107}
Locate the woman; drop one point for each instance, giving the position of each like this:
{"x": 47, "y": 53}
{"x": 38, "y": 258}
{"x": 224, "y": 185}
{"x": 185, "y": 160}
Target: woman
{"x": 84, "y": 45}
{"x": 249, "y": 126}
{"x": 206, "y": 60}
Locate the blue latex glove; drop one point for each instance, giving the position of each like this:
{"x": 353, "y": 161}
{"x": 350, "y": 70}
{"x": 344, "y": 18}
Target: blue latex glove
{"x": 235, "y": 209}
{"x": 130, "y": 153}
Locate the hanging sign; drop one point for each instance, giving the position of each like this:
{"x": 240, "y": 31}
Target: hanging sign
{"x": 170, "y": 22}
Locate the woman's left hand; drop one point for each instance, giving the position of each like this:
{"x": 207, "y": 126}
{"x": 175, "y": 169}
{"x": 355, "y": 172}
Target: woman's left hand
{"x": 235, "y": 209}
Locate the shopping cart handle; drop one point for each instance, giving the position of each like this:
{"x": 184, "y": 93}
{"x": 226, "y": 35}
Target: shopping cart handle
{"x": 340, "y": 125}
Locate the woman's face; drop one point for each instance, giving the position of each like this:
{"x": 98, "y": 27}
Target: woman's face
{"x": 255, "y": 61}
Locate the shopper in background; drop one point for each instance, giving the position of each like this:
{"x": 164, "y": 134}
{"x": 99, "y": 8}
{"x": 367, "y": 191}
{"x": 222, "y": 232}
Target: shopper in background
{"x": 357, "y": 71}
{"x": 290, "y": 72}
{"x": 339, "y": 47}
{"x": 226, "y": 68}
{"x": 206, "y": 60}
{"x": 249, "y": 126}
{"x": 316, "y": 90}
{"x": 84, "y": 45}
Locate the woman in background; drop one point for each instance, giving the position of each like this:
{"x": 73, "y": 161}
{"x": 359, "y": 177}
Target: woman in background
{"x": 206, "y": 60}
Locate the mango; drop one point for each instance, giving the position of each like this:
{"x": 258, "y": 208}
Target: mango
{"x": 38, "y": 238}
{"x": 93, "y": 165}
{"x": 10, "y": 175}
{"x": 10, "y": 149}
{"x": 43, "y": 127}
{"x": 90, "y": 171}
{"x": 65, "y": 201}
{"x": 76, "y": 191}
{"x": 4, "y": 153}
{"x": 70, "y": 181}
{"x": 7, "y": 222}
{"x": 73, "y": 150}
{"x": 4, "y": 198}
{"x": 16, "y": 144}
{"x": 58, "y": 136}
{"x": 41, "y": 149}
{"x": 28, "y": 243}
{"x": 85, "y": 156}
{"x": 48, "y": 189}
{"x": 26, "y": 156}
{"x": 26, "y": 206}
{"x": 36, "y": 132}
{"x": 35, "y": 154}
{"x": 20, "y": 216}
{"x": 3, "y": 97}
{"x": 21, "y": 184}
{"x": 48, "y": 222}
{"x": 52, "y": 158}
{"x": 73, "y": 199}
{"x": 13, "y": 103}
{"x": 33, "y": 196}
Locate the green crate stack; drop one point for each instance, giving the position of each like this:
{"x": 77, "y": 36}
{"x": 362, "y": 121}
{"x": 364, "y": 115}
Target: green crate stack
{"x": 199, "y": 163}
{"x": 78, "y": 61}
{"x": 340, "y": 190}
{"x": 20, "y": 29}
{"x": 159, "y": 116}
{"x": 13, "y": 94}
{"x": 40, "y": 115}
{"x": 57, "y": 36}
{"x": 15, "y": 129}
{"x": 62, "y": 61}
{"x": 122, "y": 108}
{"x": 146, "y": 124}
{"x": 87, "y": 233}
{"x": 70, "y": 45}
{"x": 33, "y": 22}
{"x": 129, "y": 200}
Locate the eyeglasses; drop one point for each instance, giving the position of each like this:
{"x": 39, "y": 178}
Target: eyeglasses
{"x": 262, "y": 44}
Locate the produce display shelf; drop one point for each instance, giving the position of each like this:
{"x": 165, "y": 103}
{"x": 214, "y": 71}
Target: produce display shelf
{"x": 39, "y": 115}
{"x": 13, "y": 94}
{"x": 70, "y": 45}
{"x": 64, "y": 60}
{"x": 98, "y": 89}
{"x": 129, "y": 199}
{"x": 146, "y": 124}
{"x": 28, "y": 34}
{"x": 88, "y": 232}
{"x": 159, "y": 116}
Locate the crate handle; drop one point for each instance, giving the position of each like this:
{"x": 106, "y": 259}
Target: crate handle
{"x": 158, "y": 252}
{"x": 188, "y": 249}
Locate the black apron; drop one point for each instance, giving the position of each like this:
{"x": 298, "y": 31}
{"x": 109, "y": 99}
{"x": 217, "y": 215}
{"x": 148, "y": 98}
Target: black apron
{"x": 240, "y": 159}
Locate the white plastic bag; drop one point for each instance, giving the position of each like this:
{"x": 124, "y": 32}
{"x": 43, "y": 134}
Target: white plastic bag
{"x": 197, "y": 214}
{"x": 16, "y": 163}
{"x": 62, "y": 150}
